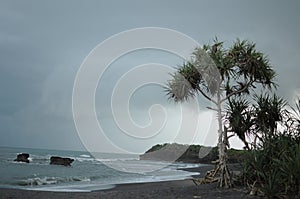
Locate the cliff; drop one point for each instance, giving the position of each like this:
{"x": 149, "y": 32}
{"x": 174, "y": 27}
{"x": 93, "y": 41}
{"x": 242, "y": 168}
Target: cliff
{"x": 189, "y": 153}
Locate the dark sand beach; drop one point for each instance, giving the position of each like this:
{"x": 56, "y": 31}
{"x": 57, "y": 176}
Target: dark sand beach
{"x": 167, "y": 189}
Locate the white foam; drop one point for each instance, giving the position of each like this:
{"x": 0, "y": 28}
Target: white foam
{"x": 85, "y": 159}
{"x": 85, "y": 156}
{"x": 116, "y": 159}
{"x": 73, "y": 188}
{"x": 39, "y": 181}
{"x": 51, "y": 180}
{"x": 56, "y": 189}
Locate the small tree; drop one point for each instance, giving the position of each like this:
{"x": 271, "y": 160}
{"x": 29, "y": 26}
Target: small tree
{"x": 273, "y": 166}
{"x": 268, "y": 111}
{"x": 219, "y": 74}
{"x": 256, "y": 120}
{"x": 292, "y": 120}
{"x": 239, "y": 118}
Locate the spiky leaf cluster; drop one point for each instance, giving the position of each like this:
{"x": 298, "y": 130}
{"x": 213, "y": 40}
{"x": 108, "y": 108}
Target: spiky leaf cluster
{"x": 235, "y": 71}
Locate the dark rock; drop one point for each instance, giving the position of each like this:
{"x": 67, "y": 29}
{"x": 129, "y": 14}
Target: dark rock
{"x": 61, "y": 161}
{"x": 22, "y": 157}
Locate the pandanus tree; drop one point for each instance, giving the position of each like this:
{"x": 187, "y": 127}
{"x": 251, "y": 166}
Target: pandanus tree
{"x": 273, "y": 167}
{"x": 269, "y": 110}
{"x": 219, "y": 74}
{"x": 258, "y": 120}
{"x": 239, "y": 119}
{"x": 294, "y": 119}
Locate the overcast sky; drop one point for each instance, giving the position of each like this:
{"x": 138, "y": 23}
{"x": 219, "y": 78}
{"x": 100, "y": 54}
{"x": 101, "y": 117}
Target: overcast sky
{"x": 43, "y": 44}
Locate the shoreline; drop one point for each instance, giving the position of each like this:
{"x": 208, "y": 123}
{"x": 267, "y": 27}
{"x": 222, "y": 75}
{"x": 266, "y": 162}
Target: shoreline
{"x": 162, "y": 189}
{"x": 166, "y": 189}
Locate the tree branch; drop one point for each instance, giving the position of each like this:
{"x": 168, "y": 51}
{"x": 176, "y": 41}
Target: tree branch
{"x": 210, "y": 108}
{"x": 206, "y": 96}
{"x": 238, "y": 91}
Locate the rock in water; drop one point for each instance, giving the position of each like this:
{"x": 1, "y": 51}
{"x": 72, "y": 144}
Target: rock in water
{"x": 22, "y": 157}
{"x": 61, "y": 161}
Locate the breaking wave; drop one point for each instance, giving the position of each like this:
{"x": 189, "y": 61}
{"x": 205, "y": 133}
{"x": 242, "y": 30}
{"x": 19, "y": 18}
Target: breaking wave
{"x": 50, "y": 181}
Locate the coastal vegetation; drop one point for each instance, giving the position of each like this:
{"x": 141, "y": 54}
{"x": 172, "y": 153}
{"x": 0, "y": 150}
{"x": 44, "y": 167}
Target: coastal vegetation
{"x": 272, "y": 167}
{"x": 271, "y": 162}
{"x": 221, "y": 74}
{"x": 264, "y": 122}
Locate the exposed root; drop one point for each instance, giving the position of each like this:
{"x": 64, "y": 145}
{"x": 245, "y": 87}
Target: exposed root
{"x": 225, "y": 176}
{"x": 222, "y": 173}
{"x": 208, "y": 178}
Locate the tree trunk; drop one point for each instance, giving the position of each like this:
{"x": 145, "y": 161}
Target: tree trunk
{"x": 222, "y": 169}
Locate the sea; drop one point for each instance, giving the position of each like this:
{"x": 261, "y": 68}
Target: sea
{"x": 86, "y": 172}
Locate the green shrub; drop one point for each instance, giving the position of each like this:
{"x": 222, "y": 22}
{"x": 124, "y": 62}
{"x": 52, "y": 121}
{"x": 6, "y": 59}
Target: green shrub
{"x": 274, "y": 166}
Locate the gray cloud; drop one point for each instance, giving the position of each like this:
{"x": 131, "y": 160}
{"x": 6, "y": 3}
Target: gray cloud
{"x": 42, "y": 45}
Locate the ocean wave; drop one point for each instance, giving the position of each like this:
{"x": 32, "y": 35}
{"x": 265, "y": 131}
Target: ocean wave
{"x": 98, "y": 160}
{"x": 73, "y": 188}
{"x": 39, "y": 158}
{"x": 85, "y": 156}
{"x": 116, "y": 159}
{"x": 37, "y": 181}
{"x": 17, "y": 162}
{"x": 187, "y": 165}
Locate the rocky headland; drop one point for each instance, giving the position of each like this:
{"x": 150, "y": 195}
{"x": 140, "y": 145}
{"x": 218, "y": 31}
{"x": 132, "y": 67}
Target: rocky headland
{"x": 189, "y": 154}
